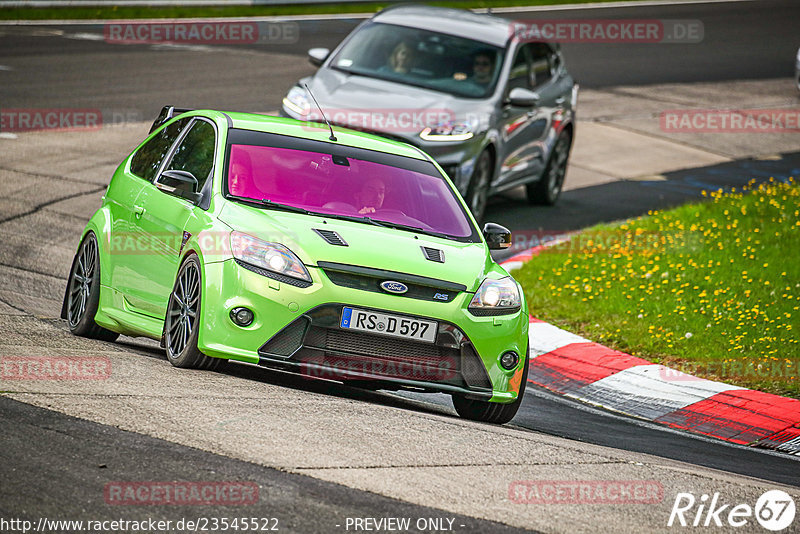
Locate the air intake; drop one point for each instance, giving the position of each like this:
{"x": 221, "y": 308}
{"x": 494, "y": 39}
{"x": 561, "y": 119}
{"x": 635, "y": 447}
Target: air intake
{"x": 331, "y": 237}
{"x": 433, "y": 254}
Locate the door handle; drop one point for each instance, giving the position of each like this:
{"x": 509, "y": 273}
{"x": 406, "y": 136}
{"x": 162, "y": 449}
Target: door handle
{"x": 138, "y": 211}
{"x": 560, "y": 100}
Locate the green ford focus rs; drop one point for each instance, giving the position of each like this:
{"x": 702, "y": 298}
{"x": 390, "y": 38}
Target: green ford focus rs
{"x": 337, "y": 255}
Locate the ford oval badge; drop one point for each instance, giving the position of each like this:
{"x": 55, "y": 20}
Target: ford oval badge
{"x": 391, "y": 286}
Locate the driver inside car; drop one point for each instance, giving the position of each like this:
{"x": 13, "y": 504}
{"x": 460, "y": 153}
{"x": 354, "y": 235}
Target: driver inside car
{"x": 369, "y": 198}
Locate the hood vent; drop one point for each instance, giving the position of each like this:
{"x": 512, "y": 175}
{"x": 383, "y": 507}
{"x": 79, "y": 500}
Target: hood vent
{"x": 433, "y": 254}
{"x": 331, "y": 237}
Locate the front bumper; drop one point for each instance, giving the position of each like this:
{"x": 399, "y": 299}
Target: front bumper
{"x": 297, "y": 329}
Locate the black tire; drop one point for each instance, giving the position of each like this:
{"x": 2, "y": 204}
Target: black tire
{"x": 547, "y": 190}
{"x": 478, "y": 190}
{"x": 181, "y": 325}
{"x": 492, "y": 412}
{"x": 83, "y": 293}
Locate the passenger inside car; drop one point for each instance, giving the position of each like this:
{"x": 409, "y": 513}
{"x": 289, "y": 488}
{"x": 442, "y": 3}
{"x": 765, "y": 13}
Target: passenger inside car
{"x": 400, "y": 60}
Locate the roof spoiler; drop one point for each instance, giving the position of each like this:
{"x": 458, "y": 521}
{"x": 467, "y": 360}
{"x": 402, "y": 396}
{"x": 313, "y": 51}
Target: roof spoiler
{"x": 167, "y": 112}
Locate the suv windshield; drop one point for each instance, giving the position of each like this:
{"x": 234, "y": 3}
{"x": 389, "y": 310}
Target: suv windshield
{"x": 454, "y": 65}
{"x": 346, "y": 187}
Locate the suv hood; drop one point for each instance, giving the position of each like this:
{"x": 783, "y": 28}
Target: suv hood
{"x": 347, "y": 99}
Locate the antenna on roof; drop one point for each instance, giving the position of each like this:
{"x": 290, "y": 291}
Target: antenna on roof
{"x": 332, "y": 137}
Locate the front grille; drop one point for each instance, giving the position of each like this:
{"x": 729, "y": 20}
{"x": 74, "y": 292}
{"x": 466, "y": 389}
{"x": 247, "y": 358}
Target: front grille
{"x": 372, "y": 344}
{"x": 368, "y": 279}
{"x": 315, "y": 342}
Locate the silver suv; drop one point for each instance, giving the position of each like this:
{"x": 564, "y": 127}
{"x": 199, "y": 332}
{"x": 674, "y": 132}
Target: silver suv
{"x": 495, "y": 110}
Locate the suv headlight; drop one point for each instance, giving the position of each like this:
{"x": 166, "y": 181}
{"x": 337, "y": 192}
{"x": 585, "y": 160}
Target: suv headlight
{"x": 448, "y": 131}
{"x": 297, "y": 100}
{"x": 496, "y": 297}
{"x": 272, "y": 257}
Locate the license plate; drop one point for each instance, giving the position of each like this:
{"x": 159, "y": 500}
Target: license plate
{"x": 389, "y": 325}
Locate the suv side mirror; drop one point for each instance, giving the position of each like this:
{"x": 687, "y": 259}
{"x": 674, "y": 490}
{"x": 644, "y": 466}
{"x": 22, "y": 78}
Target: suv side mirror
{"x": 496, "y": 236}
{"x": 317, "y": 56}
{"x": 523, "y": 98}
{"x": 180, "y": 183}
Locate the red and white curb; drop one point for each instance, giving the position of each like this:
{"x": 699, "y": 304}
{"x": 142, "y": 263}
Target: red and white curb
{"x": 577, "y": 368}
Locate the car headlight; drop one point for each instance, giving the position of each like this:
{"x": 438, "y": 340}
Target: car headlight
{"x": 448, "y": 131}
{"x": 297, "y": 100}
{"x": 496, "y": 297}
{"x": 272, "y": 257}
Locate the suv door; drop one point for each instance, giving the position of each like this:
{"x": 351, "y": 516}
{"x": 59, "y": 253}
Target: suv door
{"x": 554, "y": 87}
{"x": 165, "y": 214}
{"x": 518, "y": 125}
{"x": 121, "y": 196}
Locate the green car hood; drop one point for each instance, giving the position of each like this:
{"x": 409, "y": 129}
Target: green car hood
{"x": 367, "y": 245}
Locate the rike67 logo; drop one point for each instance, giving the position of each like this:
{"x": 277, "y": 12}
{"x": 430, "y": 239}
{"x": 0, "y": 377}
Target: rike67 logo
{"x": 774, "y": 510}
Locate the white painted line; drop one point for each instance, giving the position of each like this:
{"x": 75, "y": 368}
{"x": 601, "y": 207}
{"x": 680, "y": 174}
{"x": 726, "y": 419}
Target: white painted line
{"x": 271, "y": 18}
{"x": 8, "y": 135}
{"x": 544, "y": 338}
{"x": 606, "y": 5}
{"x": 6, "y": 67}
{"x": 649, "y": 391}
{"x": 85, "y": 36}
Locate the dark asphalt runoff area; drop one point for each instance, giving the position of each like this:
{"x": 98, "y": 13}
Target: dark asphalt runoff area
{"x": 55, "y": 465}
{"x": 64, "y": 476}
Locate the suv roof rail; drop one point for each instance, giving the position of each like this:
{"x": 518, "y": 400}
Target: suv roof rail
{"x": 167, "y": 112}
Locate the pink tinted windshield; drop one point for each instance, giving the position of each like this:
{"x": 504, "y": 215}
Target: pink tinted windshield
{"x": 346, "y": 186}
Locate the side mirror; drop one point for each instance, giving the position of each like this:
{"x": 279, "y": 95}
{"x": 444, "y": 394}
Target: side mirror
{"x": 523, "y": 98}
{"x": 496, "y": 236}
{"x": 317, "y": 56}
{"x": 180, "y": 183}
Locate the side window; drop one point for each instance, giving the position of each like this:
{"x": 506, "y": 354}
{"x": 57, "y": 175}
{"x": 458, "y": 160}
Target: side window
{"x": 195, "y": 153}
{"x": 520, "y": 71}
{"x": 147, "y": 159}
{"x": 542, "y": 63}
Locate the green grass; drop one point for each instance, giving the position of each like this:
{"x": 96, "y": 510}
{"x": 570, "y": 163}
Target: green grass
{"x": 711, "y": 289}
{"x": 135, "y": 12}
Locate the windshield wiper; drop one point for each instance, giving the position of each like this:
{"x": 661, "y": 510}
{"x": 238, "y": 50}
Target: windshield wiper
{"x": 387, "y": 224}
{"x": 265, "y": 202}
{"x": 285, "y": 207}
{"x": 353, "y": 218}
{"x": 410, "y": 228}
